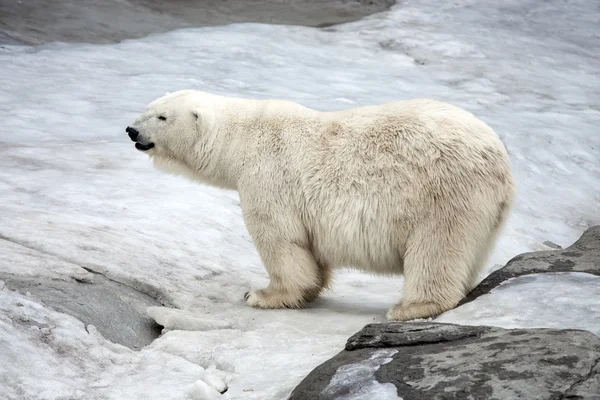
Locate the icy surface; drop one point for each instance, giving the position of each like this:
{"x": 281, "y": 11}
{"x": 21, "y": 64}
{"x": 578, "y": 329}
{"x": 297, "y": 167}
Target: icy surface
{"x": 49, "y": 355}
{"x": 74, "y": 193}
{"x": 553, "y": 300}
{"x": 361, "y": 377}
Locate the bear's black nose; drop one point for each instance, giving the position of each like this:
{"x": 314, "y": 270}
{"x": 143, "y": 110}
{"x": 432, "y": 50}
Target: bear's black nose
{"x": 133, "y": 133}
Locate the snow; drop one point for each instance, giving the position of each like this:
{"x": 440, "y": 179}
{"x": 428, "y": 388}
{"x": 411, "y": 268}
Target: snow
{"x": 74, "y": 193}
{"x": 550, "y": 300}
{"x": 361, "y": 377}
{"x": 50, "y": 355}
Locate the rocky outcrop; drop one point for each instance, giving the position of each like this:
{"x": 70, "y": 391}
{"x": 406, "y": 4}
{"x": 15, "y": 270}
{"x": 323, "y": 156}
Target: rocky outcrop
{"x": 581, "y": 256}
{"x": 117, "y": 311}
{"x": 416, "y": 361}
{"x": 108, "y": 21}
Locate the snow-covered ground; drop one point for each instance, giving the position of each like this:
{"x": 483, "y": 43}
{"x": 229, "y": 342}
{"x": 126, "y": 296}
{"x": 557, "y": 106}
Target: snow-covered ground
{"x": 553, "y": 300}
{"x": 74, "y": 193}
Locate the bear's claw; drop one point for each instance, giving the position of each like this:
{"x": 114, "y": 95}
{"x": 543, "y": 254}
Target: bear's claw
{"x": 268, "y": 299}
{"x": 415, "y": 311}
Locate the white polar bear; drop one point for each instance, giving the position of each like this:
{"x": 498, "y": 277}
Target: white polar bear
{"x": 420, "y": 188}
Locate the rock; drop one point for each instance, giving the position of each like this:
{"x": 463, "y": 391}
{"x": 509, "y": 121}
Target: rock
{"x": 581, "y": 256}
{"x": 553, "y": 245}
{"x": 109, "y": 21}
{"x": 7, "y": 39}
{"x": 425, "y": 360}
{"x": 116, "y": 310}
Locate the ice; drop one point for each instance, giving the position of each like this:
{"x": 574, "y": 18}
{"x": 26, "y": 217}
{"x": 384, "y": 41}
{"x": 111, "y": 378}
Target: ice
{"x": 201, "y": 391}
{"x": 550, "y": 300}
{"x": 361, "y": 377}
{"x": 49, "y": 355}
{"x": 268, "y": 353}
{"x": 74, "y": 193}
{"x": 181, "y": 319}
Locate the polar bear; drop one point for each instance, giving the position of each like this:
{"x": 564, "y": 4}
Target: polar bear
{"x": 417, "y": 187}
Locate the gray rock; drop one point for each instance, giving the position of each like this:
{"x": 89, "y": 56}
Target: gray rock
{"x": 107, "y": 21}
{"x": 581, "y": 256}
{"x": 552, "y": 244}
{"x": 445, "y": 361}
{"x": 117, "y": 311}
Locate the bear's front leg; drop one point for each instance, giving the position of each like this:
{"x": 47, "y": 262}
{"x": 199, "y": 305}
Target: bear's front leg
{"x": 296, "y": 277}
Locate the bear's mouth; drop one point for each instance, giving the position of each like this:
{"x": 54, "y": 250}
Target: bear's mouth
{"x": 144, "y": 147}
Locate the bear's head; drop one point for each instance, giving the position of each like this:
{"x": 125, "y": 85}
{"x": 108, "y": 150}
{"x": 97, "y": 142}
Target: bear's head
{"x": 176, "y": 131}
{"x": 171, "y": 123}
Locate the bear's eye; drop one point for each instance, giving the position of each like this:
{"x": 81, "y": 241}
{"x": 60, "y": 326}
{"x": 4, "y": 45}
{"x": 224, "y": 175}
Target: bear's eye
{"x": 162, "y": 117}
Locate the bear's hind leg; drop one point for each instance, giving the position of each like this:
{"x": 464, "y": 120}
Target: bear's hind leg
{"x": 439, "y": 266}
{"x": 296, "y": 277}
{"x": 487, "y": 246}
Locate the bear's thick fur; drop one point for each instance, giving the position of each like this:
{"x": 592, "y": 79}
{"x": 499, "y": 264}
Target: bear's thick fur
{"x": 420, "y": 188}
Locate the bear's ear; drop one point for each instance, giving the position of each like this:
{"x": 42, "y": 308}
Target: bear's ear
{"x": 167, "y": 93}
{"x": 204, "y": 118}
